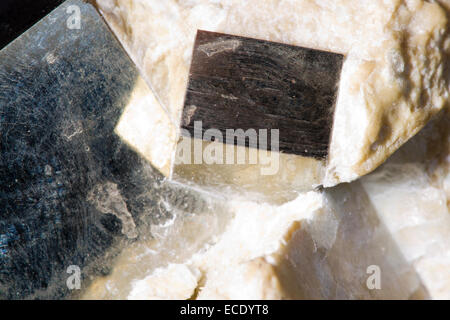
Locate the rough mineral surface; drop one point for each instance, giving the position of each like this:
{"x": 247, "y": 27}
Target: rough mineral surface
{"x": 323, "y": 245}
{"x": 394, "y": 222}
{"x": 393, "y": 78}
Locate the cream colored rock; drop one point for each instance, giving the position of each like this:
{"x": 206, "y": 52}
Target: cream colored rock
{"x": 146, "y": 129}
{"x": 174, "y": 282}
{"x": 270, "y": 176}
{"x": 256, "y": 280}
{"x": 236, "y": 248}
{"x": 394, "y": 222}
{"x": 393, "y": 78}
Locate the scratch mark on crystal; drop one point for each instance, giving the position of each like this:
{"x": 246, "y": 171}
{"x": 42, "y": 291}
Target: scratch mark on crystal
{"x": 213, "y": 48}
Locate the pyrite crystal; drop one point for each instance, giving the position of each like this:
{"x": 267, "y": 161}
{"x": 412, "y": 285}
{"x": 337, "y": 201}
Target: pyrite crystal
{"x": 243, "y": 83}
{"x": 71, "y": 191}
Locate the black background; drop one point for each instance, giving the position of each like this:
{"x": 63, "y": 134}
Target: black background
{"x": 16, "y": 16}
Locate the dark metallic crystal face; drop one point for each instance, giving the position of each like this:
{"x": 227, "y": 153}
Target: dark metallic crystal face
{"x": 244, "y": 83}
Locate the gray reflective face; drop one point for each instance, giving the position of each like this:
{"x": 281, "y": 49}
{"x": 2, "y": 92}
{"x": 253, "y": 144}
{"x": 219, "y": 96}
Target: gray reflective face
{"x": 250, "y": 84}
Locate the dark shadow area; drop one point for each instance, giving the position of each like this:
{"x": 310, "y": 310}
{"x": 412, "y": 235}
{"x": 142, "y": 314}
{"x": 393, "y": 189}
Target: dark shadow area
{"x": 17, "y": 16}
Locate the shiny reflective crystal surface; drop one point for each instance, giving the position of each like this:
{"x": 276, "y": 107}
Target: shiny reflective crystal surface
{"x": 71, "y": 191}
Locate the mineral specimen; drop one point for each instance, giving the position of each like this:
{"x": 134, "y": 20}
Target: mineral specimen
{"x": 392, "y": 224}
{"x": 246, "y": 93}
{"x": 72, "y": 192}
{"x": 393, "y": 77}
{"x": 80, "y": 132}
{"x": 249, "y": 84}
